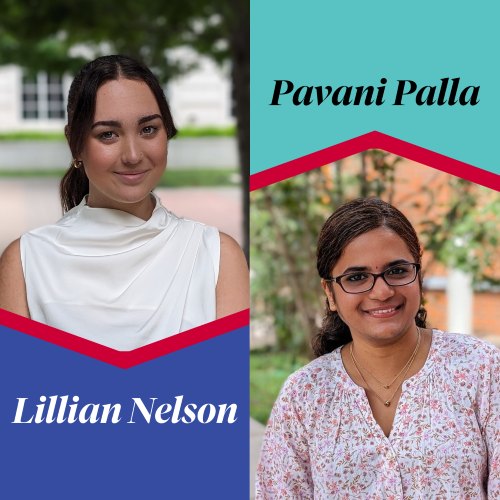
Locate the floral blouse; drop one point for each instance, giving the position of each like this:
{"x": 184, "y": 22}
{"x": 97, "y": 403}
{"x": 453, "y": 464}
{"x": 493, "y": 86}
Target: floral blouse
{"x": 322, "y": 441}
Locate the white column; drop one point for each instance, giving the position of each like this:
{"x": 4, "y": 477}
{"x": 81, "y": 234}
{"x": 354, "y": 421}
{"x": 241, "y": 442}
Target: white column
{"x": 460, "y": 298}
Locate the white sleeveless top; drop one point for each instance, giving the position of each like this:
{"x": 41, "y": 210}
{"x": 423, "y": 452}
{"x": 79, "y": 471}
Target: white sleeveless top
{"x": 113, "y": 278}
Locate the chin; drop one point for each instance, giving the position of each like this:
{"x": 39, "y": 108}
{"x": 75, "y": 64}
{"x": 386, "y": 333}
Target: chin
{"x": 387, "y": 330}
{"x": 132, "y": 195}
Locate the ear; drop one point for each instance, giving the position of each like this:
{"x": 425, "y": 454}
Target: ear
{"x": 331, "y": 299}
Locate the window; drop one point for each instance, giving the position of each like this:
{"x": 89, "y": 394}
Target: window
{"x": 43, "y": 97}
{"x": 30, "y": 98}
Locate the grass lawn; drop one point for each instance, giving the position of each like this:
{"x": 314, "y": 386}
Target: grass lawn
{"x": 171, "y": 178}
{"x": 200, "y": 177}
{"x": 268, "y": 371}
{"x": 59, "y": 136}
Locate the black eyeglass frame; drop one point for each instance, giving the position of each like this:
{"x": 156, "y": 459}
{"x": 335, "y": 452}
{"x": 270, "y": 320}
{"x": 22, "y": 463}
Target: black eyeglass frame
{"x": 376, "y": 276}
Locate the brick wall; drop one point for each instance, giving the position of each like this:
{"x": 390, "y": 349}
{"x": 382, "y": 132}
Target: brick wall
{"x": 486, "y": 312}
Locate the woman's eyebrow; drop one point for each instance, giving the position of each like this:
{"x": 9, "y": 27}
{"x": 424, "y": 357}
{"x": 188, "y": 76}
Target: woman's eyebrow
{"x": 364, "y": 268}
{"x": 114, "y": 123}
{"x": 148, "y": 119}
{"x": 354, "y": 269}
{"x": 107, "y": 123}
{"x": 397, "y": 262}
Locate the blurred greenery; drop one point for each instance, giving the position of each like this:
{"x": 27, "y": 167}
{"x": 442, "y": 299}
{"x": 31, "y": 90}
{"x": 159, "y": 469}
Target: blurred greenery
{"x": 116, "y": 26}
{"x": 199, "y": 178}
{"x": 171, "y": 178}
{"x": 33, "y": 173}
{"x": 467, "y": 236}
{"x": 206, "y": 132}
{"x": 59, "y": 136}
{"x": 32, "y": 136}
{"x": 268, "y": 371}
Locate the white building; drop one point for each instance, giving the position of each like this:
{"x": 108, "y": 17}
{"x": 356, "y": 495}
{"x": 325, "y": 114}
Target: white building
{"x": 201, "y": 97}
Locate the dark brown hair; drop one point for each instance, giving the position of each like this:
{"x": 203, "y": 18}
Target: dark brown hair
{"x": 349, "y": 221}
{"x": 81, "y": 109}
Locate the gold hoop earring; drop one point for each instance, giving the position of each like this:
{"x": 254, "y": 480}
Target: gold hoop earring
{"x": 76, "y": 163}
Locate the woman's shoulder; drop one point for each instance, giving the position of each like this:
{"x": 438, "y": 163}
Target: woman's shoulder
{"x": 10, "y": 259}
{"x": 50, "y": 231}
{"x": 230, "y": 249}
{"x": 12, "y": 286}
{"x": 463, "y": 343}
{"x": 187, "y": 227}
{"x": 233, "y": 282}
{"x": 465, "y": 349}
{"x": 186, "y": 222}
{"x": 321, "y": 373}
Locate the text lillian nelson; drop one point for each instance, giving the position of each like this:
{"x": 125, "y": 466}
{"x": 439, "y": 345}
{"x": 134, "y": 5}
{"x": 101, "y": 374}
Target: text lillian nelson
{"x": 58, "y": 411}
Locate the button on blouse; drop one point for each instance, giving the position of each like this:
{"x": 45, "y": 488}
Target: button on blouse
{"x": 322, "y": 441}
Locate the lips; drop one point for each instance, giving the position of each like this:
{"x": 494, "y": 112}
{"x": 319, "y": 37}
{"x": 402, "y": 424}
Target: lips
{"x": 384, "y": 312}
{"x": 132, "y": 177}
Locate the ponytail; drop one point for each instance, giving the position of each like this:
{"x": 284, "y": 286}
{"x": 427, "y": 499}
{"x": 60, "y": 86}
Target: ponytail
{"x": 74, "y": 186}
{"x": 332, "y": 334}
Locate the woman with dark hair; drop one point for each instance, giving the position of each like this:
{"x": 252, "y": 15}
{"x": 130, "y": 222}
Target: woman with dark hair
{"x": 389, "y": 409}
{"x": 118, "y": 268}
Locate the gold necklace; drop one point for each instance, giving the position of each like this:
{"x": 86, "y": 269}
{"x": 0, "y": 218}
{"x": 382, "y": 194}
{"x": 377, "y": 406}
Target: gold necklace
{"x": 388, "y": 402}
{"x": 386, "y": 386}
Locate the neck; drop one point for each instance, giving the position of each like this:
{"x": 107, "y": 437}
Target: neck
{"x": 142, "y": 209}
{"x": 386, "y": 358}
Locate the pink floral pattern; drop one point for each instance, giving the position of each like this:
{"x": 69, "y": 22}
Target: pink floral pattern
{"x": 322, "y": 441}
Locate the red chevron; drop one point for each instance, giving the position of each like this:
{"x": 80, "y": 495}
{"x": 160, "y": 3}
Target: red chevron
{"x": 374, "y": 140}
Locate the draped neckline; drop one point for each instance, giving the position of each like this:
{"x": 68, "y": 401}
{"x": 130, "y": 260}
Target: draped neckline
{"x": 113, "y": 216}
{"x": 93, "y": 232}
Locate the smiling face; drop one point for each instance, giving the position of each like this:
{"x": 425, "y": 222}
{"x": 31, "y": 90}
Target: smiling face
{"x": 384, "y": 312}
{"x": 125, "y": 153}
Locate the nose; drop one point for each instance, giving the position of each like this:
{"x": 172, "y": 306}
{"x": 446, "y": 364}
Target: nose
{"x": 381, "y": 290}
{"x": 131, "y": 152}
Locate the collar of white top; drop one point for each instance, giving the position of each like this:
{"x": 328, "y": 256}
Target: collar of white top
{"x": 112, "y": 216}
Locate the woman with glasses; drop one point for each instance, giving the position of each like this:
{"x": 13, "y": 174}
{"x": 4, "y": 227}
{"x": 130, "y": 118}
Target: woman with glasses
{"x": 389, "y": 409}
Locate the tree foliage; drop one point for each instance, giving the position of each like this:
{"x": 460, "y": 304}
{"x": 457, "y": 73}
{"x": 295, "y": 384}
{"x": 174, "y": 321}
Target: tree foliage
{"x": 467, "y": 234}
{"x": 41, "y": 34}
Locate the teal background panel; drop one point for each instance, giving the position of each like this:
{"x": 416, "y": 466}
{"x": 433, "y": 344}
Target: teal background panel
{"x": 358, "y": 43}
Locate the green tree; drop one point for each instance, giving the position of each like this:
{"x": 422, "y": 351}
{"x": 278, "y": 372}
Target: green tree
{"x": 42, "y": 34}
{"x": 467, "y": 234}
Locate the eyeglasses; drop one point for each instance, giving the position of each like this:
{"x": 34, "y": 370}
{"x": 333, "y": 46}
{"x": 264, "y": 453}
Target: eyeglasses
{"x": 361, "y": 281}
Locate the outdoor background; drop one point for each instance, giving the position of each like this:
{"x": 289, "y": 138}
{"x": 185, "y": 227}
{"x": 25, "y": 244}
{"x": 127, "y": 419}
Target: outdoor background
{"x": 199, "y": 51}
{"x": 458, "y": 223}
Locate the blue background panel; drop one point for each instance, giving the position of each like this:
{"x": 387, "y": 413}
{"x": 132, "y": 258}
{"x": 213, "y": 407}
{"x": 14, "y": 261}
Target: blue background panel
{"x": 188, "y": 461}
